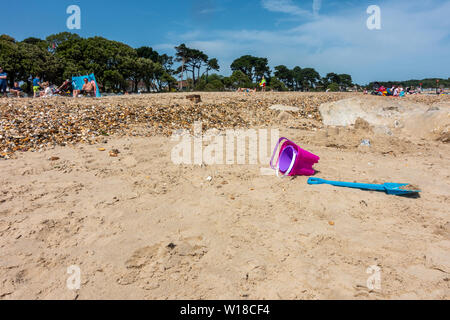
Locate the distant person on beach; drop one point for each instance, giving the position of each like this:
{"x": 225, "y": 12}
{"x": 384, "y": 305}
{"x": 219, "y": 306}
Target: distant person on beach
{"x": 16, "y": 90}
{"x": 247, "y": 90}
{"x": 36, "y": 86}
{"x": 47, "y": 90}
{"x": 88, "y": 88}
{"x": 263, "y": 84}
{"x": 3, "y": 81}
{"x": 381, "y": 90}
{"x": 396, "y": 92}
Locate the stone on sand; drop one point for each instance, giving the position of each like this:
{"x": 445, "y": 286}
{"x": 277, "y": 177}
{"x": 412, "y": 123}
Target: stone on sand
{"x": 284, "y": 116}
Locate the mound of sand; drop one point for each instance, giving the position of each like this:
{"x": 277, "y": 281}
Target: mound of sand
{"x": 404, "y": 117}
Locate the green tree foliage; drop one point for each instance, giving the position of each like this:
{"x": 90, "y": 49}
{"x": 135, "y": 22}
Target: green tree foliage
{"x": 331, "y": 78}
{"x": 341, "y": 81}
{"x": 215, "y": 85}
{"x": 117, "y": 66}
{"x": 168, "y": 80}
{"x": 310, "y": 78}
{"x": 36, "y": 42}
{"x": 113, "y": 79}
{"x": 345, "y": 81}
{"x": 333, "y": 87}
{"x": 105, "y": 58}
{"x": 240, "y": 80}
{"x": 253, "y": 67}
{"x": 10, "y": 58}
{"x": 193, "y": 61}
{"x": 298, "y": 78}
{"x": 63, "y": 55}
{"x": 213, "y": 82}
{"x": 148, "y": 53}
{"x": 213, "y": 64}
{"x": 55, "y": 40}
{"x": 164, "y": 60}
{"x": 285, "y": 75}
{"x": 21, "y": 60}
{"x": 277, "y": 85}
{"x": 5, "y": 37}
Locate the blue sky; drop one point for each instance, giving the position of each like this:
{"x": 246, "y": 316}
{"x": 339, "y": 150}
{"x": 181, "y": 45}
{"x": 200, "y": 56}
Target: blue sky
{"x": 328, "y": 35}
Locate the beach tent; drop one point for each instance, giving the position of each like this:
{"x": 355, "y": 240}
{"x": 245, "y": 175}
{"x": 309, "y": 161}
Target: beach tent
{"x": 77, "y": 83}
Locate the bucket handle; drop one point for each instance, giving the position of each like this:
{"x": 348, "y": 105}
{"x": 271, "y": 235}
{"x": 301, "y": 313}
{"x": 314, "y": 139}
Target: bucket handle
{"x": 290, "y": 166}
{"x": 275, "y": 151}
{"x": 277, "y": 166}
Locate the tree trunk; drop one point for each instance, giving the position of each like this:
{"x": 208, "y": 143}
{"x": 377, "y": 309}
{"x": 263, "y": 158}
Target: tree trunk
{"x": 29, "y": 88}
{"x": 11, "y": 81}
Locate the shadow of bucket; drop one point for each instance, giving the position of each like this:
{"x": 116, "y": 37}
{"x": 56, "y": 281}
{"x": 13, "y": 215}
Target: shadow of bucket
{"x": 293, "y": 160}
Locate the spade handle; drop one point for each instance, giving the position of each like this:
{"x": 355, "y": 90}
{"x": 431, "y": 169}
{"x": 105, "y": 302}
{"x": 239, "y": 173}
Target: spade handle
{"x": 365, "y": 186}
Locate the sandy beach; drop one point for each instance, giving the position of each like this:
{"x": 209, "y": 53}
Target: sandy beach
{"x": 139, "y": 226}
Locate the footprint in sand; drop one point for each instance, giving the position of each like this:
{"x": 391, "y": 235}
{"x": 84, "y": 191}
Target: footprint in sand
{"x": 162, "y": 260}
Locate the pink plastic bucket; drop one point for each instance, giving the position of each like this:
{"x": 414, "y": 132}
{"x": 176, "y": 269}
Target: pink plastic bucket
{"x": 293, "y": 160}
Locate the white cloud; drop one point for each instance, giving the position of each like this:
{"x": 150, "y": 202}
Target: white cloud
{"x": 210, "y": 10}
{"x": 285, "y": 6}
{"x": 289, "y": 7}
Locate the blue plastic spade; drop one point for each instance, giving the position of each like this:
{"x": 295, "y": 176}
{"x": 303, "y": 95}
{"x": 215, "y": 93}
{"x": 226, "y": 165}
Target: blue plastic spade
{"x": 398, "y": 189}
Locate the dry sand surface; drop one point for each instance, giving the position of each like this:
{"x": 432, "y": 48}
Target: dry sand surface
{"x": 141, "y": 227}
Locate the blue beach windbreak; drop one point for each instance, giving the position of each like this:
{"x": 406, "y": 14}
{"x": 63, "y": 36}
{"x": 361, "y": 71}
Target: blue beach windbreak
{"x": 77, "y": 83}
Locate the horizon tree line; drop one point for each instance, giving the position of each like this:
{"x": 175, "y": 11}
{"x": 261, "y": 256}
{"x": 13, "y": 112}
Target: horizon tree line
{"x": 117, "y": 65}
